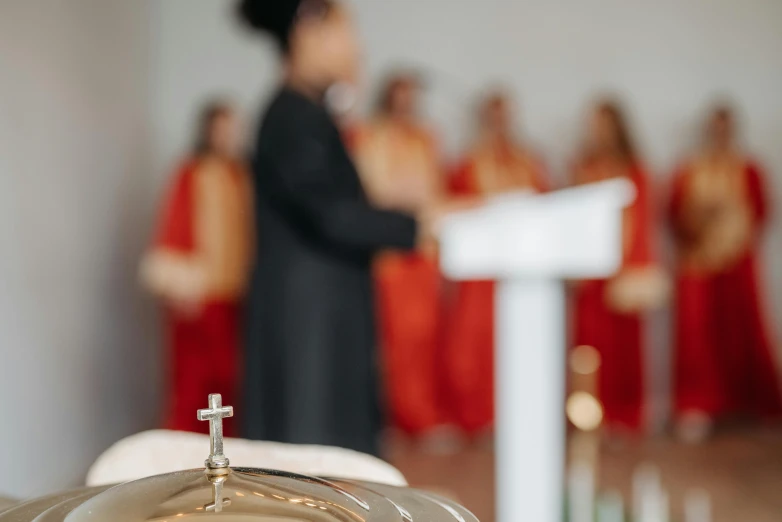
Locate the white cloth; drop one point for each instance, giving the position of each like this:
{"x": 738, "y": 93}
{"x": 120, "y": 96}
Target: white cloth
{"x": 157, "y": 452}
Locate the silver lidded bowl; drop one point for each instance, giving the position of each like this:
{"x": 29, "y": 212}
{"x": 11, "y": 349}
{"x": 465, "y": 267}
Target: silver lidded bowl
{"x": 220, "y": 493}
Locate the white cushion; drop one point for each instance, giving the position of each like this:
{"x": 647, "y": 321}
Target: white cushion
{"x": 157, "y": 452}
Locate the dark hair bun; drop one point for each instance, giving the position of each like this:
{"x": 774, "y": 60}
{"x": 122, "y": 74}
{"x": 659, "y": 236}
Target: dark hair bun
{"x": 251, "y": 13}
{"x": 274, "y": 17}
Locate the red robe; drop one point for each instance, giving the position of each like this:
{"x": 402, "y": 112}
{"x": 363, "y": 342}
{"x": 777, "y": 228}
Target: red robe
{"x": 469, "y": 365}
{"x": 407, "y": 284}
{"x": 617, "y": 334}
{"x": 204, "y": 342}
{"x": 724, "y": 359}
{"x": 408, "y": 296}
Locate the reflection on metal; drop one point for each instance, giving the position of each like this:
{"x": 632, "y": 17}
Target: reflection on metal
{"x": 218, "y": 502}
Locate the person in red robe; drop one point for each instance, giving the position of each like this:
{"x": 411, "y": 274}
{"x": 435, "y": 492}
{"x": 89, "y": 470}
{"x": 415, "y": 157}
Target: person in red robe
{"x": 397, "y": 159}
{"x": 198, "y": 265}
{"x": 497, "y": 163}
{"x": 724, "y": 362}
{"x": 609, "y": 312}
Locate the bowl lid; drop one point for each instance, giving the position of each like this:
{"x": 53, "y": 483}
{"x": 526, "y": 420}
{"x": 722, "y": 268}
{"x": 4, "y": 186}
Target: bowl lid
{"x": 243, "y": 495}
{"x": 220, "y": 493}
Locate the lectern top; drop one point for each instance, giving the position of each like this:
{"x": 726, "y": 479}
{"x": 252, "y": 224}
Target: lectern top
{"x": 572, "y": 233}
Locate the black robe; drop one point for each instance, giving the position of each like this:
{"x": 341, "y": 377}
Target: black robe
{"x": 311, "y": 374}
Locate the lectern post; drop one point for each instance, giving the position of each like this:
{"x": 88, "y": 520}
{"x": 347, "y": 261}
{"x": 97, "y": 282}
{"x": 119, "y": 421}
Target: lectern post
{"x": 530, "y": 245}
{"x": 530, "y": 427}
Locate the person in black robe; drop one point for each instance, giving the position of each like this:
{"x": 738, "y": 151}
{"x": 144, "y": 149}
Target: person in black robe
{"x": 311, "y": 374}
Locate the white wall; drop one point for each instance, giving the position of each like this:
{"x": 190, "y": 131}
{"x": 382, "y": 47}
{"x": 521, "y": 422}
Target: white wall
{"x": 78, "y": 369}
{"x": 200, "y": 53}
{"x": 668, "y": 59}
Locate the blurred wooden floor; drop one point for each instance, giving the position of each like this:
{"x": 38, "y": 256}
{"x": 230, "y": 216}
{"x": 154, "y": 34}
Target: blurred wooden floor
{"x": 741, "y": 469}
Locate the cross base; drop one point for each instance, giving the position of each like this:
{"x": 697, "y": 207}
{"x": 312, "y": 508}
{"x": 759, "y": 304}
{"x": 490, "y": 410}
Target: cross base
{"x": 217, "y": 463}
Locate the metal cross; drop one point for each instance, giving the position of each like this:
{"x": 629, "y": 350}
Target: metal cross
{"x": 215, "y": 415}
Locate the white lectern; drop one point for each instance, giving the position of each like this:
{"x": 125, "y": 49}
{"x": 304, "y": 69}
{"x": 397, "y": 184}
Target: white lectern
{"x": 530, "y": 245}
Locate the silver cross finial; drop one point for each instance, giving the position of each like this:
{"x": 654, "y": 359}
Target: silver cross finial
{"x": 215, "y": 415}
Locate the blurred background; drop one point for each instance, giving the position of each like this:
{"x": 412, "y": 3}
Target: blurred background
{"x": 98, "y": 100}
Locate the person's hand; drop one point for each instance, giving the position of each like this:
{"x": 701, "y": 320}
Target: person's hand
{"x": 411, "y": 191}
{"x": 431, "y": 218}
